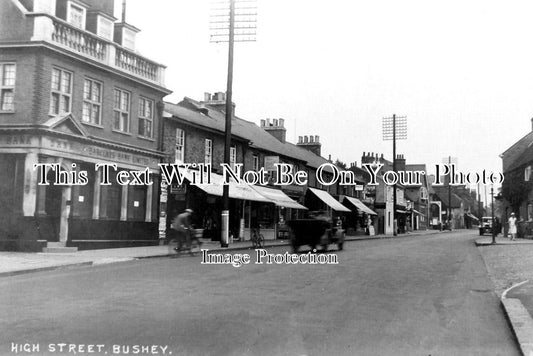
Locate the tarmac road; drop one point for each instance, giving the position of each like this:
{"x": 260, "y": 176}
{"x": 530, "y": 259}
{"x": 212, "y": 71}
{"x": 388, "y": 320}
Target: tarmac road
{"x": 423, "y": 295}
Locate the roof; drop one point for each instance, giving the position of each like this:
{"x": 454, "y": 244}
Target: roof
{"x": 514, "y": 153}
{"x": 525, "y": 157}
{"x": 442, "y": 193}
{"x": 203, "y": 115}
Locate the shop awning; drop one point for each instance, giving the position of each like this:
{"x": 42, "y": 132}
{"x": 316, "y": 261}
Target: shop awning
{"x": 471, "y": 216}
{"x": 278, "y": 197}
{"x": 329, "y": 200}
{"x": 359, "y": 205}
{"x": 401, "y": 211}
{"x": 236, "y": 191}
{"x": 417, "y": 212}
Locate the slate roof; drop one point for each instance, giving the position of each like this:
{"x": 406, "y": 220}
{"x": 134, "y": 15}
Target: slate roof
{"x": 442, "y": 193}
{"x": 513, "y": 157}
{"x": 206, "y": 116}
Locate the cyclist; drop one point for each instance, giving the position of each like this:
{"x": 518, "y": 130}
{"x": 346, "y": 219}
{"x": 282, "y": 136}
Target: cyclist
{"x": 182, "y": 224}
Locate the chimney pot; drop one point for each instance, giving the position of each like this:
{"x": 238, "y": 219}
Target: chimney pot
{"x": 262, "y": 122}
{"x": 317, "y": 138}
{"x": 311, "y": 139}
{"x": 281, "y": 122}
{"x": 306, "y": 139}
{"x": 207, "y": 96}
{"x": 300, "y": 139}
{"x": 275, "y": 122}
{"x": 267, "y": 122}
{"x": 532, "y": 124}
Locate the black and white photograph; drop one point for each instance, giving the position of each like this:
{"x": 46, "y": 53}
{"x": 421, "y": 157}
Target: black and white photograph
{"x": 266, "y": 177}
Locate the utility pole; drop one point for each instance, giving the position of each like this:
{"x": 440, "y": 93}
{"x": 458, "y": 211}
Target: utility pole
{"x": 492, "y": 229}
{"x": 223, "y": 30}
{"x": 450, "y": 195}
{"x": 394, "y": 128}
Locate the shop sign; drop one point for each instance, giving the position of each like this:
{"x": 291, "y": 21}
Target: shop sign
{"x": 95, "y": 151}
{"x": 178, "y": 189}
{"x": 18, "y": 140}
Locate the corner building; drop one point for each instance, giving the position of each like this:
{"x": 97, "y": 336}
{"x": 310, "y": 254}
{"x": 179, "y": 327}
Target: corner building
{"x": 75, "y": 92}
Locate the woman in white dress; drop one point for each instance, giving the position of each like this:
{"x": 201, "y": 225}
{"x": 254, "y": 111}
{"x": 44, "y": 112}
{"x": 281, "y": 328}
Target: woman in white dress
{"x": 512, "y": 226}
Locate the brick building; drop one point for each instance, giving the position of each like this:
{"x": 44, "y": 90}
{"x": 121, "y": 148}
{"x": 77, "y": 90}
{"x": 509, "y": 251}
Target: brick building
{"x": 194, "y": 133}
{"x": 75, "y": 93}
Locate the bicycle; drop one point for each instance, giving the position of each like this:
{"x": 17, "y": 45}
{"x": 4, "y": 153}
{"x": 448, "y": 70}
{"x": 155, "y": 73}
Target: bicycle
{"x": 258, "y": 240}
{"x": 193, "y": 247}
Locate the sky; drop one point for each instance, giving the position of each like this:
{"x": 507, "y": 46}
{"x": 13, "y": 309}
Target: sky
{"x": 460, "y": 71}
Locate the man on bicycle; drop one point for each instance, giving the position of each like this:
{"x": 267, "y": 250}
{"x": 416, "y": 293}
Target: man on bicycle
{"x": 182, "y": 224}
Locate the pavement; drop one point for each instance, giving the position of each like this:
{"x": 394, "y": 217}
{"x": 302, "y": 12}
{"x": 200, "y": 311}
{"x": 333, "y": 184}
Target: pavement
{"x": 512, "y": 265}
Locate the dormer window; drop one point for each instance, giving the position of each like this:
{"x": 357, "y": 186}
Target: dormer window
{"x": 129, "y": 39}
{"x": 105, "y": 28}
{"x": 527, "y": 173}
{"x": 47, "y": 6}
{"x": 76, "y": 15}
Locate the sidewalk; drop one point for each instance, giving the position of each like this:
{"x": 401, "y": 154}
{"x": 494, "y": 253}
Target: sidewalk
{"x": 13, "y": 263}
{"x": 510, "y": 265}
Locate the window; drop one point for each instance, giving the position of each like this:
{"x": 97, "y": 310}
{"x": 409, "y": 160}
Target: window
{"x": 122, "y": 111}
{"x": 208, "y": 151}
{"x": 105, "y": 28}
{"x": 527, "y": 173}
{"x": 180, "y": 146}
{"x": 256, "y": 163}
{"x": 92, "y": 101}
{"x": 529, "y": 212}
{"x": 76, "y": 15}
{"x": 61, "y": 92}
{"x": 232, "y": 156}
{"x": 146, "y": 113}
{"x": 7, "y": 86}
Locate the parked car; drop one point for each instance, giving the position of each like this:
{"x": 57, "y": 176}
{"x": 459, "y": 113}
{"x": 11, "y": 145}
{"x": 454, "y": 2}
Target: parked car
{"x": 486, "y": 225}
{"x": 315, "y": 231}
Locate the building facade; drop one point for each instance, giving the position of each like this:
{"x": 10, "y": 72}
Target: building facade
{"x": 76, "y": 95}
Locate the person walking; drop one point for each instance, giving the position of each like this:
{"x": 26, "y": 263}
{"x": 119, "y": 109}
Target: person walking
{"x": 512, "y": 226}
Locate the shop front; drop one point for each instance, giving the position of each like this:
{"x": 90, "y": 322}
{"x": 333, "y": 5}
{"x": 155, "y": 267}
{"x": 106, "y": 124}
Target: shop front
{"x": 47, "y": 200}
{"x": 362, "y": 218}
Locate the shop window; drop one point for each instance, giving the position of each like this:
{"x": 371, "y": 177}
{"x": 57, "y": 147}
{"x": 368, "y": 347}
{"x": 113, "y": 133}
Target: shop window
{"x": 121, "y": 111}
{"x": 76, "y": 15}
{"x": 208, "y": 159}
{"x": 7, "y": 86}
{"x": 180, "y": 146}
{"x": 137, "y": 202}
{"x": 146, "y": 117}
{"x": 82, "y": 195}
{"x": 61, "y": 92}
{"x": 111, "y": 199}
{"x": 92, "y": 102}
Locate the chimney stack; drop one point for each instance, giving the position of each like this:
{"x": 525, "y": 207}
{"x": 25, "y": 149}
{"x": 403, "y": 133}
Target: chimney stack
{"x": 310, "y": 143}
{"x": 276, "y": 128}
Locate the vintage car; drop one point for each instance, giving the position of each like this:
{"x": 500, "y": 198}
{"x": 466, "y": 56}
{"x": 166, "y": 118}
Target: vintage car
{"x": 315, "y": 232}
{"x": 486, "y": 225}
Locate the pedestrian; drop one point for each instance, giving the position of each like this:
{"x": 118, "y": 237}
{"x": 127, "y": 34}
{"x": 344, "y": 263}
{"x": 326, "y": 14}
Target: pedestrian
{"x": 512, "y": 226}
{"x": 182, "y": 224}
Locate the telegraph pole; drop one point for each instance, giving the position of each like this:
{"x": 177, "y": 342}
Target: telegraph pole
{"x": 223, "y": 30}
{"x": 492, "y": 229}
{"x": 450, "y": 194}
{"x": 394, "y": 128}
